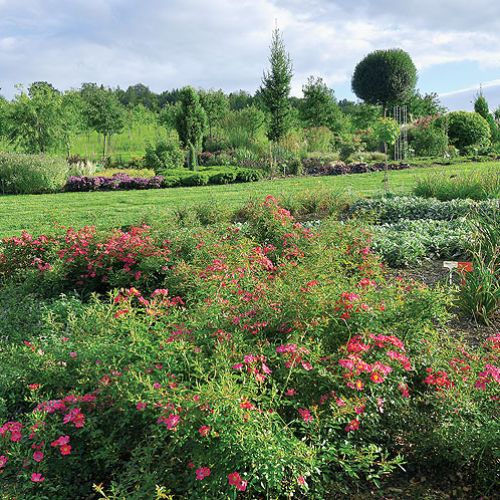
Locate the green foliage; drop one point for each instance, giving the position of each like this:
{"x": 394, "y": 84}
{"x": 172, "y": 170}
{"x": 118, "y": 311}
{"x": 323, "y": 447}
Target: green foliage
{"x": 242, "y": 366}
{"x": 387, "y": 130}
{"x": 456, "y": 427}
{"x": 388, "y": 210}
{"x": 31, "y": 174}
{"x": 276, "y": 88}
{"x": 103, "y": 112}
{"x": 469, "y": 132}
{"x": 409, "y": 242}
{"x": 319, "y": 107}
{"x": 34, "y": 121}
{"x": 191, "y": 123}
{"x": 361, "y": 115}
{"x": 480, "y": 292}
{"x": 420, "y": 106}
{"x": 481, "y": 107}
{"x": 164, "y": 155}
{"x": 428, "y": 139}
{"x": 216, "y": 106}
{"x": 480, "y": 184}
{"x": 319, "y": 139}
{"x": 245, "y": 129}
{"x": 385, "y": 77}
{"x": 139, "y": 94}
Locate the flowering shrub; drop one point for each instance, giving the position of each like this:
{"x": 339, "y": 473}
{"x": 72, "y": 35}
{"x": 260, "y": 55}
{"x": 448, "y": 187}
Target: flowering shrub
{"x": 87, "y": 260}
{"x": 116, "y": 182}
{"x": 266, "y": 359}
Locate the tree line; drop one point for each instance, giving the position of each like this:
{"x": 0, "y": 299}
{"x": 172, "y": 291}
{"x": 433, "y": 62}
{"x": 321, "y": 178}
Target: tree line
{"x": 43, "y": 119}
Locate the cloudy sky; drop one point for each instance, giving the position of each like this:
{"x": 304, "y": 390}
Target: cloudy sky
{"x": 224, "y": 43}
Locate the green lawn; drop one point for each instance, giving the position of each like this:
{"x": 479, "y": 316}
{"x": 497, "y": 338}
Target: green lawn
{"x": 44, "y": 213}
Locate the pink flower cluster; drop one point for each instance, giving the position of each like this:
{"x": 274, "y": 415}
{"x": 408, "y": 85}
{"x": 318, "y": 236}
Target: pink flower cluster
{"x": 235, "y": 480}
{"x": 294, "y": 356}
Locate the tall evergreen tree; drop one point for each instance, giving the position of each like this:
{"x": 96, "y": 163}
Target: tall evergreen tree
{"x": 481, "y": 107}
{"x": 275, "y": 88}
{"x": 191, "y": 124}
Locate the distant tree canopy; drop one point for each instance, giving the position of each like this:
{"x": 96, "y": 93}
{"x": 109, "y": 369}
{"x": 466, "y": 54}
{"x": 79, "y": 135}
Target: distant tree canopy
{"x": 424, "y": 105}
{"x": 319, "y": 108}
{"x": 385, "y": 77}
{"x": 138, "y": 94}
{"x": 276, "y": 86}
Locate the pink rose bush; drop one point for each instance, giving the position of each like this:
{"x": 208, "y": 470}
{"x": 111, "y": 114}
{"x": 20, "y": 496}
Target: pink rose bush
{"x": 243, "y": 360}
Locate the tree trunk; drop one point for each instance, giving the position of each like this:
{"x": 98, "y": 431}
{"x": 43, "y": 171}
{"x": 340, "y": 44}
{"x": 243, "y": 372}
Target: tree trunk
{"x": 386, "y": 170}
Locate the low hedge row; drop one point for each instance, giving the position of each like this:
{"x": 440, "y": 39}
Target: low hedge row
{"x": 174, "y": 178}
{"x": 388, "y": 210}
{"x": 314, "y": 166}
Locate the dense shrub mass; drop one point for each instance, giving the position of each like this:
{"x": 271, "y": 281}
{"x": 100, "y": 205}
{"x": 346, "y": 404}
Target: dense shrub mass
{"x": 262, "y": 359}
{"x": 31, "y": 174}
{"x": 172, "y": 178}
{"x": 469, "y": 132}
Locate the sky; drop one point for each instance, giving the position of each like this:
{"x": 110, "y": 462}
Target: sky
{"x": 225, "y": 43}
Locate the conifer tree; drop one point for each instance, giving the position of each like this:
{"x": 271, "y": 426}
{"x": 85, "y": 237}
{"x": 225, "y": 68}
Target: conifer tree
{"x": 275, "y": 89}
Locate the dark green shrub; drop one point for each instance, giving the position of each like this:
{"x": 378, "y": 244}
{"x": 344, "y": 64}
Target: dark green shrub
{"x": 469, "y": 132}
{"x": 31, "y": 174}
{"x": 196, "y": 179}
{"x": 249, "y": 175}
{"x": 224, "y": 177}
{"x": 428, "y": 139}
{"x": 164, "y": 155}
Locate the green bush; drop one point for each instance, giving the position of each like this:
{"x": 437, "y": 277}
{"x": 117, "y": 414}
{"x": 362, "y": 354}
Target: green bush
{"x": 262, "y": 357}
{"x": 225, "y": 177}
{"x": 195, "y": 179}
{"x": 164, "y": 155}
{"x": 469, "y": 132}
{"x": 428, "y": 139}
{"x": 31, "y": 174}
{"x": 249, "y": 175}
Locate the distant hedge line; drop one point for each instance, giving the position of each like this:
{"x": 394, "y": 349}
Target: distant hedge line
{"x": 174, "y": 178}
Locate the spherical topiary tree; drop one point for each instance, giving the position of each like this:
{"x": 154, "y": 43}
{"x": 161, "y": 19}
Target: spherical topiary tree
{"x": 385, "y": 77}
{"x": 469, "y": 132}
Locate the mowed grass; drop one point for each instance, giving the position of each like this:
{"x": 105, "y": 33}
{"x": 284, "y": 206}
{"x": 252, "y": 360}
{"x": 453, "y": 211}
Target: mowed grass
{"x": 48, "y": 213}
